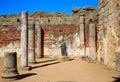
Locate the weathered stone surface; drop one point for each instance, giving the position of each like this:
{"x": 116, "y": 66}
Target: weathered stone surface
{"x": 12, "y": 46}
{"x": 92, "y": 53}
{"x": 79, "y": 41}
{"x": 116, "y": 75}
{"x": 8, "y": 35}
{"x": 77, "y": 11}
{"x": 82, "y": 27}
{"x": 92, "y": 30}
{"x": 10, "y": 66}
{"x": 92, "y": 41}
{"x": 108, "y": 34}
{"x": 55, "y": 27}
{"x": 117, "y": 61}
{"x": 65, "y": 58}
{"x": 108, "y": 39}
{"x": 24, "y": 40}
{"x": 58, "y": 24}
{"x": 39, "y": 41}
{"x": 31, "y": 42}
{"x": 51, "y": 40}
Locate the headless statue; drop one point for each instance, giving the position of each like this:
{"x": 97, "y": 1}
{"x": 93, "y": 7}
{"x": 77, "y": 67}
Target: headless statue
{"x": 63, "y": 47}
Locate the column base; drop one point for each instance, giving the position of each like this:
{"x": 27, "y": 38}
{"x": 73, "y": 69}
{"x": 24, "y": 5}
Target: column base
{"x": 10, "y": 74}
{"x": 116, "y": 75}
{"x": 32, "y": 62}
{"x": 26, "y": 68}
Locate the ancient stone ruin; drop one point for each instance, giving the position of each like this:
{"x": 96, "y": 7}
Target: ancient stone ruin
{"x": 88, "y": 32}
{"x": 10, "y": 66}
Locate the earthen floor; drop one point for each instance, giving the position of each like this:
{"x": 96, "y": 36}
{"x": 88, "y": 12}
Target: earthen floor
{"x": 51, "y": 70}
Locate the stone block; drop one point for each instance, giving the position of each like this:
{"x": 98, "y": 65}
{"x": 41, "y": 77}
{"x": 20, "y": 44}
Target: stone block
{"x": 87, "y": 51}
{"x": 81, "y": 19}
{"x": 14, "y": 20}
{"x": 64, "y": 58}
{"x": 116, "y": 75}
{"x": 91, "y": 29}
{"x": 117, "y": 61}
{"x": 10, "y": 66}
{"x": 92, "y": 41}
{"x": 92, "y": 52}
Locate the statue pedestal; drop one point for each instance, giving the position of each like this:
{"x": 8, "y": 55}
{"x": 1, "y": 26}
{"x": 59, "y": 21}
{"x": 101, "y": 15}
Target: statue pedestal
{"x": 65, "y": 58}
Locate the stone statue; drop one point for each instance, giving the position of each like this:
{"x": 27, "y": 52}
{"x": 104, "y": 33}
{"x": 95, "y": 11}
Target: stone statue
{"x": 63, "y": 47}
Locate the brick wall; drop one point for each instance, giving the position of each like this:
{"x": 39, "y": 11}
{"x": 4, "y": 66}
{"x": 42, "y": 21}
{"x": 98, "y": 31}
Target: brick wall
{"x": 52, "y": 33}
{"x": 8, "y": 34}
{"x": 53, "y": 28}
{"x": 59, "y": 30}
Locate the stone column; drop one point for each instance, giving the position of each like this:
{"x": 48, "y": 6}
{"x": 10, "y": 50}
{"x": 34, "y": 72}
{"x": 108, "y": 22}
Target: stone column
{"x": 92, "y": 47}
{"x": 116, "y": 74}
{"x": 39, "y": 41}
{"x": 24, "y": 40}
{"x": 82, "y": 26}
{"x": 31, "y": 46}
{"x": 10, "y": 66}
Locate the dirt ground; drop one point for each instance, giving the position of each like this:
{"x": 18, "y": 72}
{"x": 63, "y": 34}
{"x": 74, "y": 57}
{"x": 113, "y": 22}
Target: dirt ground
{"x": 52, "y": 70}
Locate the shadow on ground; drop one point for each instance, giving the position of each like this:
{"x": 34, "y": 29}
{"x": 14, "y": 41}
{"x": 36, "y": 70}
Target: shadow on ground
{"x": 45, "y": 65}
{"x": 46, "y": 61}
{"x": 117, "y": 80}
{"x": 27, "y": 75}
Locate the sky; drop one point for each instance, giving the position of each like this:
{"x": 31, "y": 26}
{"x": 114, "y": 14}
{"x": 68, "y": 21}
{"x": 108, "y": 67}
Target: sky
{"x": 17, "y": 6}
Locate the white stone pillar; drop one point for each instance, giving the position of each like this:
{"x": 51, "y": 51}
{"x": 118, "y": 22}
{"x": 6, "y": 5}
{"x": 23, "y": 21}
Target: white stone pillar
{"x": 39, "y": 41}
{"x": 92, "y": 47}
{"x": 24, "y": 40}
{"x": 31, "y": 42}
{"x": 82, "y": 27}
